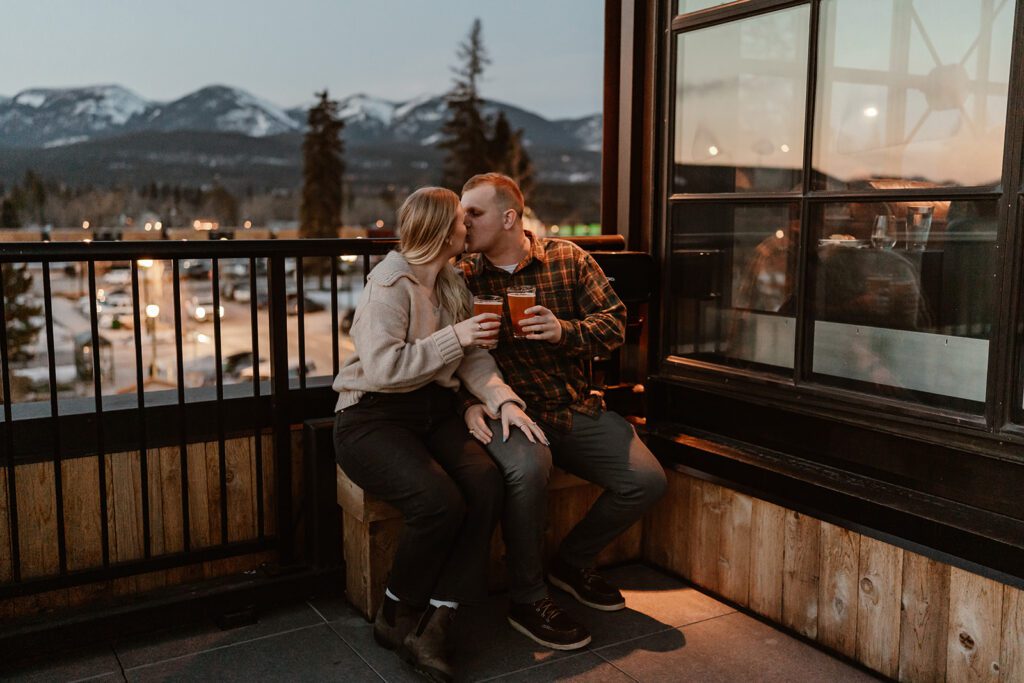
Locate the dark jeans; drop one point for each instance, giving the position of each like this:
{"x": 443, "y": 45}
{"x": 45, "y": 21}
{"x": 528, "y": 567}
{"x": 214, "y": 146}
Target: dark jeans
{"x": 414, "y": 451}
{"x": 604, "y": 450}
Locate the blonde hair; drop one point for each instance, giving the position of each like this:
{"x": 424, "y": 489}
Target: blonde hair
{"x": 425, "y": 224}
{"x": 506, "y": 191}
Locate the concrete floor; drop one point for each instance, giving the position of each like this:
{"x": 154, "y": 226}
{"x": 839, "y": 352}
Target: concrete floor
{"x": 669, "y": 632}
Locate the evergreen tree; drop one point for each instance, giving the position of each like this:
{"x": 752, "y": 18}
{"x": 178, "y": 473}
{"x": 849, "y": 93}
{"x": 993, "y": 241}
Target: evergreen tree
{"x": 9, "y": 214}
{"x": 34, "y": 196}
{"x": 508, "y": 155}
{"x": 322, "y": 171}
{"x": 19, "y": 309}
{"x": 466, "y": 132}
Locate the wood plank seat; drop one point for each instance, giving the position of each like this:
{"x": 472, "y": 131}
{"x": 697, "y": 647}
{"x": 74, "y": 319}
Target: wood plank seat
{"x": 371, "y": 529}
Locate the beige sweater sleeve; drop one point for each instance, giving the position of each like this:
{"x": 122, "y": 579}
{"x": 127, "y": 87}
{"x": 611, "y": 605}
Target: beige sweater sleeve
{"x": 480, "y": 374}
{"x": 389, "y": 361}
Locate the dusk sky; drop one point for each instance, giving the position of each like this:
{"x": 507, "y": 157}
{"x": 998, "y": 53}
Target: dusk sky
{"x": 546, "y": 54}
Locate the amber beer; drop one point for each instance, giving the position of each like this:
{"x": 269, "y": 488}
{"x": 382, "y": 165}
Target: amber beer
{"x": 485, "y": 303}
{"x": 519, "y": 299}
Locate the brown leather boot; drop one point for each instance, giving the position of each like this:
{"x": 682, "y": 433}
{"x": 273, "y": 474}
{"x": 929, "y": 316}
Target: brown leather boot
{"x": 427, "y": 648}
{"x": 393, "y": 623}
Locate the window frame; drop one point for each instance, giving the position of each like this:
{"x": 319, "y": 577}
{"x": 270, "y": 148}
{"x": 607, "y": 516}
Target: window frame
{"x": 1002, "y": 420}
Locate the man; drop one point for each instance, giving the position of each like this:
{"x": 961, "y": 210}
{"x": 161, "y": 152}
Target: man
{"x": 577, "y": 316}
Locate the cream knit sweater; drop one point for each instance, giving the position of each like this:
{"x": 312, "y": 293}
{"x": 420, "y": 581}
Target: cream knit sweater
{"x": 403, "y": 343}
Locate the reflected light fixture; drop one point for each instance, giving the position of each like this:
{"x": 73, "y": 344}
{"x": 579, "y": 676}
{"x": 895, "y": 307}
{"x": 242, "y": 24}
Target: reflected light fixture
{"x": 784, "y": 147}
{"x": 713, "y": 151}
{"x": 871, "y": 112}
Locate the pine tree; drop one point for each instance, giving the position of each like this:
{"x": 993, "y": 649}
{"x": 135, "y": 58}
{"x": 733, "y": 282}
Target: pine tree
{"x": 9, "y": 214}
{"x": 19, "y": 309}
{"x": 508, "y": 155}
{"x": 323, "y": 168}
{"x": 466, "y": 132}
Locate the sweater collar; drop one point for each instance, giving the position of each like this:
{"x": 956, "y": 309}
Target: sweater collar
{"x": 393, "y": 268}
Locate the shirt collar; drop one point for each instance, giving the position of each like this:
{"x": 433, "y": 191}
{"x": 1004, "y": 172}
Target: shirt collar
{"x": 536, "y": 252}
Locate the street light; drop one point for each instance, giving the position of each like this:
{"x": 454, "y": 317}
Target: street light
{"x": 152, "y": 312}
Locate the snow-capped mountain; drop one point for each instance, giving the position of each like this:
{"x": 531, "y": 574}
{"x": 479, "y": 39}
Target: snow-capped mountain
{"x": 47, "y": 118}
{"x": 53, "y": 117}
{"x": 218, "y": 108}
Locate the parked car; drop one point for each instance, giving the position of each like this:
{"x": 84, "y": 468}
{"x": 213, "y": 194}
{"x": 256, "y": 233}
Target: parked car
{"x": 196, "y": 269}
{"x": 200, "y": 308}
{"x": 117, "y": 275}
{"x": 264, "y": 370}
{"x": 309, "y": 305}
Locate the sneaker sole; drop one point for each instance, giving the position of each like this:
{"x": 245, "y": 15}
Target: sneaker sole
{"x": 546, "y": 643}
{"x": 562, "y": 585}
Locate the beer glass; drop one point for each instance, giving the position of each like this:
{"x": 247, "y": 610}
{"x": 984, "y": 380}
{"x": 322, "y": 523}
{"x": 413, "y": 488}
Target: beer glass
{"x": 520, "y": 298}
{"x": 486, "y": 303}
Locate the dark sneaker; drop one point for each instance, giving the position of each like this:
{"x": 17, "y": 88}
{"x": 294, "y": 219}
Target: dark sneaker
{"x": 427, "y": 646}
{"x": 586, "y": 585}
{"x": 546, "y": 623}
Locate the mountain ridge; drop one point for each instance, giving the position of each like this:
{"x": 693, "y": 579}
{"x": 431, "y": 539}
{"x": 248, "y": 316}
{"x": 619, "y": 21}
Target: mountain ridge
{"x": 44, "y": 118}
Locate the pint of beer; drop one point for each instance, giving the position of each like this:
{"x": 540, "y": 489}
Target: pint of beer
{"x": 485, "y": 303}
{"x": 519, "y": 299}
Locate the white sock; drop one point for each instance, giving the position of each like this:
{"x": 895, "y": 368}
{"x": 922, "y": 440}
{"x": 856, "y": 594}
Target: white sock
{"x": 444, "y": 603}
{"x": 387, "y": 592}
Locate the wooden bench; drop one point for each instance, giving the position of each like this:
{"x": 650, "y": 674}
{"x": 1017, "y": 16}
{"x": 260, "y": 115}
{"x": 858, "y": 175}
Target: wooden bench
{"x": 371, "y": 529}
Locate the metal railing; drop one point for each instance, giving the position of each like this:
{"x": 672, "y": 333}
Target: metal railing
{"x": 62, "y": 428}
{"x": 176, "y": 418}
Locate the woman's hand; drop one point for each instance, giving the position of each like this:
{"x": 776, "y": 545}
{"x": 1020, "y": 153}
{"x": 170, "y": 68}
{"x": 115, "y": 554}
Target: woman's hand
{"x": 476, "y": 419}
{"x": 513, "y": 416}
{"x": 478, "y": 330}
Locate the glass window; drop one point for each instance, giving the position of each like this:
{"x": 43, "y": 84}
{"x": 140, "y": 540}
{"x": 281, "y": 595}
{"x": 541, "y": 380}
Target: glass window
{"x": 732, "y": 283}
{"x": 740, "y": 93}
{"x": 911, "y": 93}
{"x": 902, "y": 298}
{"x": 684, "y": 6}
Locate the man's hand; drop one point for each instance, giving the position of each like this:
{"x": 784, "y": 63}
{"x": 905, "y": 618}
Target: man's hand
{"x": 543, "y": 325}
{"x": 475, "y": 418}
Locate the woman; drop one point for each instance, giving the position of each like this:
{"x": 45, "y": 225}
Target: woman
{"x": 398, "y": 433}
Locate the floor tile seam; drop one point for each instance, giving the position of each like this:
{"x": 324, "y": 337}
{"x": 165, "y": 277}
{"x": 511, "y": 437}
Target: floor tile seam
{"x": 354, "y": 649}
{"x": 614, "y": 666}
{"x": 120, "y": 670}
{"x": 660, "y": 631}
{"x": 223, "y": 647}
{"x": 541, "y": 665}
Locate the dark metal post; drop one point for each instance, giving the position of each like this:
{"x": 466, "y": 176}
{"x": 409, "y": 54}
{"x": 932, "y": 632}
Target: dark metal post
{"x": 279, "y": 394}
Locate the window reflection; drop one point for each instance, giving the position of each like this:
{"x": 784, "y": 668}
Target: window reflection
{"x": 903, "y": 298}
{"x": 908, "y": 89}
{"x": 740, "y": 105}
{"x": 732, "y": 282}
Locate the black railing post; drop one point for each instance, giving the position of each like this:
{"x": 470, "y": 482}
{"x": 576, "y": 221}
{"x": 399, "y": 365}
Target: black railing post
{"x": 277, "y": 308}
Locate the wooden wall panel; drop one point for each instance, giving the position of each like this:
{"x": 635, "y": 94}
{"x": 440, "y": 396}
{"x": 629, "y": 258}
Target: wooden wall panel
{"x": 124, "y": 506}
{"x": 666, "y": 535}
{"x": 213, "y": 494}
{"x": 801, "y": 561}
{"x": 167, "y": 528}
{"x": 706, "y": 529}
{"x": 767, "y": 548}
{"x": 37, "y": 519}
{"x": 734, "y": 546}
{"x": 82, "y": 514}
{"x": 269, "y": 492}
{"x": 975, "y": 619}
{"x": 837, "y": 592}
{"x": 925, "y": 613}
{"x": 6, "y": 566}
{"x": 198, "y": 498}
{"x": 1011, "y": 658}
{"x": 241, "y": 480}
{"x": 878, "y": 609}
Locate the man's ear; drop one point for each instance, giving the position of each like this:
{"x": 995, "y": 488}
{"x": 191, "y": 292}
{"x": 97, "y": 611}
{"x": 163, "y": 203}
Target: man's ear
{"x": 508, "y": 219}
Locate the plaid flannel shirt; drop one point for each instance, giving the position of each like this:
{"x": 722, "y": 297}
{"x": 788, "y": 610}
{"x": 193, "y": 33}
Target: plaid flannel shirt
{"x": 554, "y": 379}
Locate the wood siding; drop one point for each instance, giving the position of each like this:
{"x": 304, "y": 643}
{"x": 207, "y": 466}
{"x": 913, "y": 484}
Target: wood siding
{"x": 122, "y": 473}
{"x": 906, "y": 616}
